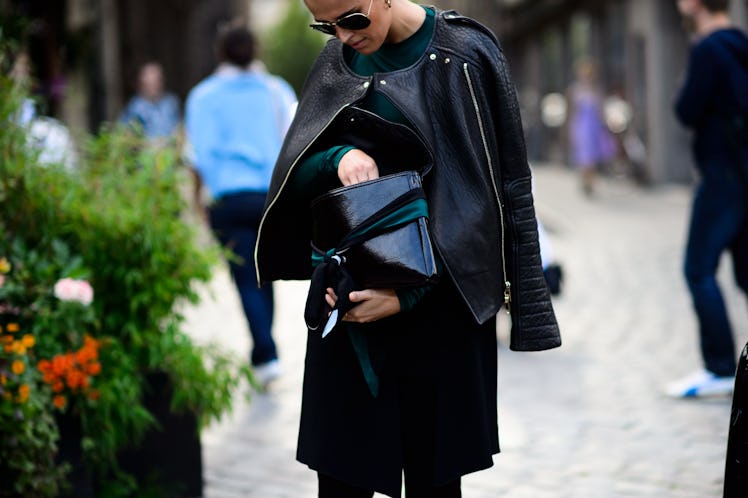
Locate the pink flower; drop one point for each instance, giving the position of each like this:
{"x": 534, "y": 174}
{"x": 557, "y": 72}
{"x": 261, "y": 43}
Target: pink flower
{"x": 69, "y": 289}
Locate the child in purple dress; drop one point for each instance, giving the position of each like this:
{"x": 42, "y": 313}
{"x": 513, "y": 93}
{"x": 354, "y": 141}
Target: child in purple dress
{"x": 591, "y": 142}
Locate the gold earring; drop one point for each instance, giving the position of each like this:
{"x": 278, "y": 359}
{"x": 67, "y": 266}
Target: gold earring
{"x": 389, "y": 4}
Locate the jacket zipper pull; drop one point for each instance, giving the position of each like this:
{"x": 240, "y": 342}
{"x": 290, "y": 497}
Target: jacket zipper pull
{"x": 507, "y": 296}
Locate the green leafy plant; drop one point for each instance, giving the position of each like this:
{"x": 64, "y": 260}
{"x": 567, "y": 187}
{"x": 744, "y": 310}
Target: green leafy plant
{"x": 113, "y": 224}
{"x": 28, "y": 432}
{"x": 55, "y": 366}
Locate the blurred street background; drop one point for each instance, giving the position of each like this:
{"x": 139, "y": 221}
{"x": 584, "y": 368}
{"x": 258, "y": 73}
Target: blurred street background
{"x": 86, "y": 55}
{"x": 587, "y": 420}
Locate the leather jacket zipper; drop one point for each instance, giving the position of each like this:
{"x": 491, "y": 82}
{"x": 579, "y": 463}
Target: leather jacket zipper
{"x": 507, "y": 283}
{"x": 283, "y": 185}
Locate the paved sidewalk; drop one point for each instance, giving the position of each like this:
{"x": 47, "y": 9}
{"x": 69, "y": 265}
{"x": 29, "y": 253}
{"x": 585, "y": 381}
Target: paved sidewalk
{"x": 583, "y": 421}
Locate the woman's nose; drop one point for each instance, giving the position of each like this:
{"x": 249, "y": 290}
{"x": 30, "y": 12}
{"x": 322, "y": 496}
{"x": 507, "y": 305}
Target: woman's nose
{"x": 343, "y": 34}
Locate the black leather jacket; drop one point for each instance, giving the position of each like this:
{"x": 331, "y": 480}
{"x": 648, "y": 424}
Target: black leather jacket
{"x": 463, "y": 106}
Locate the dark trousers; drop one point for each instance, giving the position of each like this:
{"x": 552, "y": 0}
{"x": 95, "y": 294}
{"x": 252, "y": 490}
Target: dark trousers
{"x": 719, "y": 222}
{"x": 418, "y": 436}
{"x": 235, "y": 219}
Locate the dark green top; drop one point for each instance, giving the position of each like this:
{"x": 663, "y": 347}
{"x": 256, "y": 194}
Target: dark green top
{"x": 316, "y": 169}
{"x": 392, "y": 57}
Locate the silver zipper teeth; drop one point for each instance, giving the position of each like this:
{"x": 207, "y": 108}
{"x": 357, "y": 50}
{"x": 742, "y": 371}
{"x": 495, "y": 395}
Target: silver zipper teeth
{"x": 285, "y": 180}
{"x": 507, "y": 284}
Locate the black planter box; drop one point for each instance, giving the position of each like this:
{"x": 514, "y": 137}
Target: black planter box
{"x": 169, "y": 456}
{"x": 168, "y": 461}
{"x": 69, "y": 451}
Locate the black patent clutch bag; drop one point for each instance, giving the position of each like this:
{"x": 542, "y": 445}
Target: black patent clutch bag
{"x": 370, "y": 235}
{"x": 399, "y": 254}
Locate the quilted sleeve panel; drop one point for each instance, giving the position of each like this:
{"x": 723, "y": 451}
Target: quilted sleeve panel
{"x": 534, "y": 325}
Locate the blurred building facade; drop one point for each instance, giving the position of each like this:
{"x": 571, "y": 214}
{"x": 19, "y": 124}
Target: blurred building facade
{"x": 639, "y": 45}
{"x": 87, "y": 52}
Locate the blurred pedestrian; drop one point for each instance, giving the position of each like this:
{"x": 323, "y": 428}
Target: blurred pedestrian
{"x": 155, "y": 110}
{"x": 236, "y": 120}
{"x": 47, "y": 135}
{"x": 552, "y": 269}
{"x": 592, "y": 144}
{"x": 712, "y": 99}
{"x": 406, "y": 383}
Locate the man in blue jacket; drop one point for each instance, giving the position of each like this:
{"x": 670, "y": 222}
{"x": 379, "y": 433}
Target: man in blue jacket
{"x": 712, "y": 103}
{"x": 236, "y": 120}
{"x": 152, "y": 108}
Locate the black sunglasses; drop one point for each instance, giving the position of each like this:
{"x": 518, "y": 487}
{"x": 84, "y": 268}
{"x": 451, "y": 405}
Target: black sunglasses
{"x": 354, "y": 21}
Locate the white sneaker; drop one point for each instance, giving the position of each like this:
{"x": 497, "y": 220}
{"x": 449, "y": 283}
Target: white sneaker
{"x": 699, "y": 384}
{"x": 265, "y": 373}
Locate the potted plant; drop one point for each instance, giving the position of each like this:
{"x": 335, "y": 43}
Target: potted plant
{"x": 97, "y": 261}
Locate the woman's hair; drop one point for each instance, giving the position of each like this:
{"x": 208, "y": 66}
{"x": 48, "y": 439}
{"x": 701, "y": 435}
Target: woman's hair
{"x": 236, "y": 46}
{"x": 716, "y": 5}
{"x": 585, "y": 68}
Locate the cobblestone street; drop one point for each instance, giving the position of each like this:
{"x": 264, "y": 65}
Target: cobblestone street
{"x": 587, "y": 420}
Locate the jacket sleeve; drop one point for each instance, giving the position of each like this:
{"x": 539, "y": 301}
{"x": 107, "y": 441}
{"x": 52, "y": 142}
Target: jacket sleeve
{"x": 534, "y": 325}
{"x": 698, "y": 87}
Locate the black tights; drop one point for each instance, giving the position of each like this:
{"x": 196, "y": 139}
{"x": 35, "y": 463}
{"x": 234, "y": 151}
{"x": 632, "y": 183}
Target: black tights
{"x": 332, "y": 488}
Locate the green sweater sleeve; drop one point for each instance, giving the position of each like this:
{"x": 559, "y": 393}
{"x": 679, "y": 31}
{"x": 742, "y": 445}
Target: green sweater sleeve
{"x": 411, "y": 296}
{"x": 315, "y": 171}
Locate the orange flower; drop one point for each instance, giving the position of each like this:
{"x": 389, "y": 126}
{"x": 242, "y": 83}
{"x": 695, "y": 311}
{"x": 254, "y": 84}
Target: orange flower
{"x": 9, "y": 348}
{"x": 28, "y": 340}
{"x": 94, "y": 368}
{"x": 44, "y": 366}
{"x": 18, "y": 367}
{"x": 3, "y": 380}
{"x": 84, "y": 355}
{"x": 90, "y": 342}
{"x": 61, "y": 364}
{"x": 18, "y": 348}
{"x": 12, "y": 327}
{"x": 23, "y": 393}
{"x": 6, "y": 339}
{"x": 94, "y": 395}
{"x": 72, "y": 370}
{"x": 73, "y": 379}
{"x": 59, "y": 401}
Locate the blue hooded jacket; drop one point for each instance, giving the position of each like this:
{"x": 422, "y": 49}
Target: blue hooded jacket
{"x": 716, "y": 88}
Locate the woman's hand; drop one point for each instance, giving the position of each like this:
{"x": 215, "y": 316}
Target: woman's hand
{"x": 357, "y": 166}
{"x": 374, "y": 304}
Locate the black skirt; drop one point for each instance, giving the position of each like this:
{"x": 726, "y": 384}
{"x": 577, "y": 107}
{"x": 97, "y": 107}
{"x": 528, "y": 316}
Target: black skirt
{"x": 436, "y": 402}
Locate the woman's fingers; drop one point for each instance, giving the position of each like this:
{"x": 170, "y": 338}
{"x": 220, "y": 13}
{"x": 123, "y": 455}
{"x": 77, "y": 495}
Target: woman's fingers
{"x": 373, "y": 304}
{"x": 357, "y": 166}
